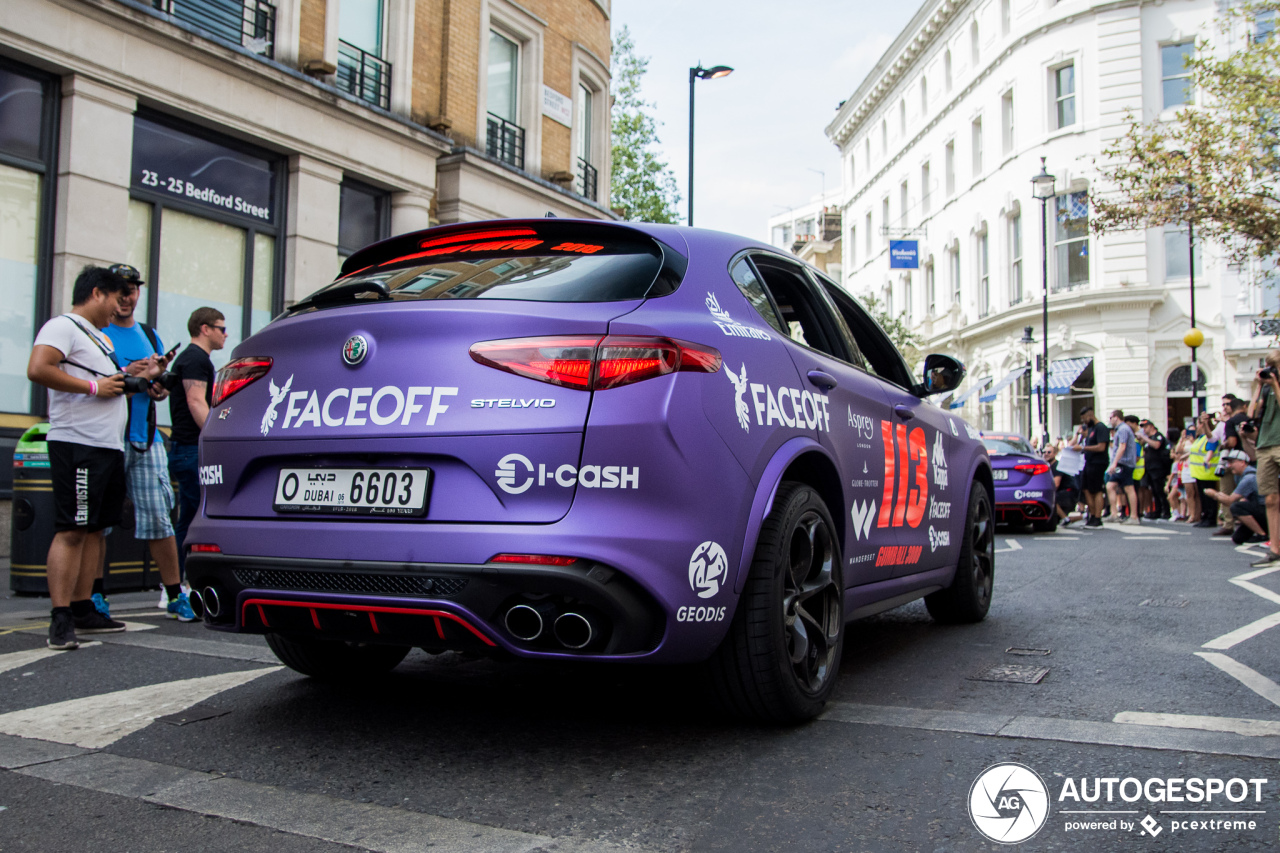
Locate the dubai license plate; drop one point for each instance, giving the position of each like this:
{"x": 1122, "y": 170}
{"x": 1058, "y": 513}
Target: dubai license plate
{"x": 394, "y": 492}
{"x": 1000, "y": 474}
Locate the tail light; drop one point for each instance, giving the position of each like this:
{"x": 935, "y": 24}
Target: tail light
{"x": 201, "y": 548}
{"x": 238, "y": 373}
{"x": 534, "y": 559}
{"x": 1032, "y": 468}
{"x": 595, "y": 363}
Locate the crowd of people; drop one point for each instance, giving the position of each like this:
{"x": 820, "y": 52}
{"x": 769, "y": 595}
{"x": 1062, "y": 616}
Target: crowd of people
{"x": 105, "y": 371}
{"x": 1222, "y": 471}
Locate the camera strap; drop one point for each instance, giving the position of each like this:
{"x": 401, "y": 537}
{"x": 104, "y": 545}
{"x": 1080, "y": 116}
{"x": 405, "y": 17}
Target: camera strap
{"x": 109, "y": 353}
{"x": 151, "y": 403}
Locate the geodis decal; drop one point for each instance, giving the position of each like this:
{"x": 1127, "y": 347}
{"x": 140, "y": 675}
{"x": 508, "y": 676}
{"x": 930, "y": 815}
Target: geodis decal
{"x": 708, "y": 568}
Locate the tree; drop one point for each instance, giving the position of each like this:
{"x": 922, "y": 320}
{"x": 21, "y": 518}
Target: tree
{"x": 907, "y": 341}
{"x": 643, "y": 186}
{"x": 1214, "y": 166}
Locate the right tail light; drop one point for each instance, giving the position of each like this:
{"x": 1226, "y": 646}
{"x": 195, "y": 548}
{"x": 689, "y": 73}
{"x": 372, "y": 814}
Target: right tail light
{"x": 595, "y": 363}
{"x": 238, "y": 373}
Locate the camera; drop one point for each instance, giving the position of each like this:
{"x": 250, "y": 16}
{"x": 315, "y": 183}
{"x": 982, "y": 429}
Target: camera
{"x": 138, "y": 385}
{"x": 1267, "y": 373}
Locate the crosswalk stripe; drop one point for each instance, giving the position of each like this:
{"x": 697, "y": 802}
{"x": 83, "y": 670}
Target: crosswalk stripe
{"x": 98, "y": 721}
{"x": 1249, "y": 677}
{"x": 13, "y": 660}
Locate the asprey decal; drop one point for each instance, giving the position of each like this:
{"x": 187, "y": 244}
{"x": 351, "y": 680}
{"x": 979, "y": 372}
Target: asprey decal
{"x": 210, "y": 475}
{"x": 791, "y": 407}
{"x": 864, "y": 427}
{"x": 515, "y": 475}
{"x": 382, "y": 406}
{"x": 727, "y": 324}
{"x": 740, "y": 387}
{"x": 707, "y": 569}
{"x": 939, "y": 463}
{"x": 939, "y": 539}
{"x": 901, "y": 451}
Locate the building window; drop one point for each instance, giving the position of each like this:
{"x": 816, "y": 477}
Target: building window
{"x": 954, "y": 259}
{"x": 902, "y": 117}
{"x": 984, "y": 275}
{"x": 1006, "y": 16}
{"x": 1071, "y": 241}
{"x": 930, "y": 287}
{"x": 924, "y": 189}
{"x": 1264, "y": 25}
{"x": 867, "y": 152}
{"x": 884, "y": 219}
{"x": 924, "y": 98}
{"x": 361, "y": 69}
{"x": 853, "y": 170}
{"x": 853, "y": 245}
{"x": 946, "y": 69}
{"x": 364, "y": 217}
{"x": 902, "y": 204}
{"x": 977, "y": 147}
{"x": 1175, "y": 76}
{"x": 973, "y": 44}
{"x": 884, "y": 138}
{"x": 868, "y": 237}
{"x": 1015, "y": 259}
{"x": 1006, "y": 122}
{"x": 907, "y": 297}
{"x": 586, "y": 173}
{"x": 504, "y": 135}
{"x": 951, "y": 168}
{"x": 1177, "y": 253}
{"x": 28, "y": 104}
{"x": 1064, "y": 93}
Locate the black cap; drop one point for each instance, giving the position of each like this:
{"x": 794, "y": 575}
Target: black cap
{"x": 127, "y": 272}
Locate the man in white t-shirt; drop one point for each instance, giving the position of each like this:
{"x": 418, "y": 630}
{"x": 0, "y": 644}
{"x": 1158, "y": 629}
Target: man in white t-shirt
{"x": 87, "y": 415}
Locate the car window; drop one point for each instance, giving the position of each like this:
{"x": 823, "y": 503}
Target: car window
{"x": 804, "y": 316}
{"x": 883, "y": 358}
{"x": 1002, "y": 444}
{"x": 745, "y": 277}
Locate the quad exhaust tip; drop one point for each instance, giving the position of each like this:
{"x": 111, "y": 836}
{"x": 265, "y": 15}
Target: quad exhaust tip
{"x": 212, "y": 604}
{"x": 573, "y": 630}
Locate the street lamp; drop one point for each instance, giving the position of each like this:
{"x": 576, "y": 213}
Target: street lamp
{"x": 699, "y": 73}
{"x": 1042, "y": 188}
{"x": 1028, "y": 341}
{"x": 1194, "y": 337}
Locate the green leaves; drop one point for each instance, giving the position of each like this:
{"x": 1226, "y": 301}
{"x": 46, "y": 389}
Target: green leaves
{"x": 643, "y": 186}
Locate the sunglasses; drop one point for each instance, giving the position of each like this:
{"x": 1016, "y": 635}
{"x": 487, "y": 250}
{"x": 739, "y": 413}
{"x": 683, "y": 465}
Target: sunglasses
{"x": 222, "y": 329}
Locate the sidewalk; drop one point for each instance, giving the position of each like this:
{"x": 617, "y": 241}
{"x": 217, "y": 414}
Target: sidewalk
{"x": 14, "y": 607}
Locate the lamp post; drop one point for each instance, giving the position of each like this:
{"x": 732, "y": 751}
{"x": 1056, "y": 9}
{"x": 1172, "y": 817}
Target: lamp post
{"x": 1042, "y": 188}
{"x": 695, "y": 74}
{"x": 1028, "y": 341}
{"x": 1194, "y": 337}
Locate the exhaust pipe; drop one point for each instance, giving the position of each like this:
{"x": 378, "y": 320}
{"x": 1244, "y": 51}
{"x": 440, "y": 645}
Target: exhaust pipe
{"x": 197, "y": 603}
{"x": 525, "y": 621}
{"x": 212, "y": 605}
{"x": 574, "y": 631}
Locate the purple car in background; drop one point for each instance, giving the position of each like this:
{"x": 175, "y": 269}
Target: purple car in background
{"x": 579, "y": 440}
{"x": 1025, "y": 493}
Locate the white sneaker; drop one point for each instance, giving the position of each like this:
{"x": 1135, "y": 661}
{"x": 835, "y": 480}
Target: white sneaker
{"x": 1131, "y": 520}
{"x": 164, "y": 600}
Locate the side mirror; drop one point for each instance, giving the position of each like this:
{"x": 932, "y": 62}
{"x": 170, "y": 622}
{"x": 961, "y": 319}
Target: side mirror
{"x": 942, "y": 373}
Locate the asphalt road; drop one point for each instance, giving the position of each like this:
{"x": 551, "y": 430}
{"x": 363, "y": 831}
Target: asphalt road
{"x": 1161, "y": 665}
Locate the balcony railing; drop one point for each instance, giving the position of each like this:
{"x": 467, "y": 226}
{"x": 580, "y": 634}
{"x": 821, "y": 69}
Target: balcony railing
{"x": 588, "y": 176}
{"x": 505, "y": 141}
{"x": 364, "y": 75}
{"x": 248, "y": 23}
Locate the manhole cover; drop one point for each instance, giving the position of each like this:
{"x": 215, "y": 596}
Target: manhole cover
{"x": 1012, "y": 673}
{"x": 1164, "y": 602}
{"x": 1028, "y": 652}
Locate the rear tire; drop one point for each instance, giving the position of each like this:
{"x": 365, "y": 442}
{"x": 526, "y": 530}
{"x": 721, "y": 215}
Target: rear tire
{"x": 969, "y": 597}
{"x": 335, "y": 660}
{"x": 780, "y": 659}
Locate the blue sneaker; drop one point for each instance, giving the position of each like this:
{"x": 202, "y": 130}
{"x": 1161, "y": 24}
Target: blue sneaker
{"x": 101, "y": 604}
{"x": 180, "y": 609}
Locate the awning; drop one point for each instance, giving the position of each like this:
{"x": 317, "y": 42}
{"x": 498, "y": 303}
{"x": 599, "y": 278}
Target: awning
{"x": 1004, "y": 383}
{"x": 1064, "y": 372}
{"x": 974, "y": 389}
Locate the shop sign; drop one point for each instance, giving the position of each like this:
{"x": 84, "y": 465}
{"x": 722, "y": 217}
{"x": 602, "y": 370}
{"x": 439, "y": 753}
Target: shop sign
{"x": 557, "y": 107}
{"x": 904, "y": 254}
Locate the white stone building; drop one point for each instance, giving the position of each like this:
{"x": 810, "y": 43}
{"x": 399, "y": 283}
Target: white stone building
{"x": 940, "y": 143}
{"x": 813, "y": 232}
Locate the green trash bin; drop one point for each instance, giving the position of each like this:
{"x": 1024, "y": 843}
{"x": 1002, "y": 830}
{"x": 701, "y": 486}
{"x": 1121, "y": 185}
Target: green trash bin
{"x": 128, "y": 561}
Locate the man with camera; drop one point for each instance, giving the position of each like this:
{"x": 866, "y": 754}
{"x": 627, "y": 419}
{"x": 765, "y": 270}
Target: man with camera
{"x": 1264, "y": 410}
{"x": 146, "y": 464}
{"x": 1243, "y": 503}
{"x": 87, "y": 415}
{"x": 189, "y": 408}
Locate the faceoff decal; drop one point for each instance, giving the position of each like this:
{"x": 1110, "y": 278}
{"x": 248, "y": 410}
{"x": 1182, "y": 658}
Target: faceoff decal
{"x": 727, "y": 324}
{"x": 939, "y": 509}
{"x": 708, "y": 568}
{"x": 355, "y": 406}
{"x": 902, "y": 450}
{"x": 793, "y": 407}
{"x": 515, "y": 475}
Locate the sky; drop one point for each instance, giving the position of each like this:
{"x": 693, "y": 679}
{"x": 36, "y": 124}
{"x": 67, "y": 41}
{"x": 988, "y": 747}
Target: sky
{"x": 759, "y": 146}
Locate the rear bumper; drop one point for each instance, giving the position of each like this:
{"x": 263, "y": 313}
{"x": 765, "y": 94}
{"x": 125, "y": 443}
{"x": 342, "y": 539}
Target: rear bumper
{"x": 434, "y": 606}
{"x": 1024, "y": 511}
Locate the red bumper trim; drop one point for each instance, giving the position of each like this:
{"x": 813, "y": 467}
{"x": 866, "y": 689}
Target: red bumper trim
{"x": 362, "y": 608}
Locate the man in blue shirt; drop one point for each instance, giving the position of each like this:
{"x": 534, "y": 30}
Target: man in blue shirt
{"x": 145, "y": 462}
{"x": 1124, "y": 458}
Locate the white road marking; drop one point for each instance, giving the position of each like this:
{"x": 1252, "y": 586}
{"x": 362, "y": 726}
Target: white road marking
{"x": 1014, "y": 545}
{"x": 13, "y": 660}
{"x": 1273, "y": 597}
{"x": 133, "y": 627}
{"x": 1139, "y": 530}
{"x": 1251, "y": 678}
{"x": 1146, "y": 537}
{"x": 98, "y": 721}
{"x": 1241, "y": 634}
{"x": 1249, "y": 728}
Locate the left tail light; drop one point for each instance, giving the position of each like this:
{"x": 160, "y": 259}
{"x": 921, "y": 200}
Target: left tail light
{"x": 238, "y": 373}
{"x": 595, "y": 363}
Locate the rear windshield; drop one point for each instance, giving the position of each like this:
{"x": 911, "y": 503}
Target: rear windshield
{"x": 1000, "y": 444}
{"x": 512, "y": 263}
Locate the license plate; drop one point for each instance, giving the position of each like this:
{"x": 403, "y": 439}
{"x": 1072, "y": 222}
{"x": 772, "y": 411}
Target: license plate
{"x": 396, "y": 492}
{"x": 1000, "y": 474}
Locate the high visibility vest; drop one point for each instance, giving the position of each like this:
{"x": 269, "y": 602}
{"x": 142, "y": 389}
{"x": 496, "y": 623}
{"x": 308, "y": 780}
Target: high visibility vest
{"x": 1140, "y": 469}
{"x": 1203, "y": 459}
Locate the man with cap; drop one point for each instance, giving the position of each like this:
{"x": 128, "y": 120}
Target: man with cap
{"x": 1244, "y": 504}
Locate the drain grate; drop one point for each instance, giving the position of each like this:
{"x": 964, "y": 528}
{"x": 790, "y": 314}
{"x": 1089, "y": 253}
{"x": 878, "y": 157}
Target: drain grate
{"x": 1164, "y": 602}
{"x": 1014, "y": 650}
{"x": 1012, "y": 673}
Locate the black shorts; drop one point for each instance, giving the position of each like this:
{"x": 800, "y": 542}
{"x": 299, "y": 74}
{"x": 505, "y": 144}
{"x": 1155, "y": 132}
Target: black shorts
{"x": 1091, "y": 477}
{"x": 88, "y": 486}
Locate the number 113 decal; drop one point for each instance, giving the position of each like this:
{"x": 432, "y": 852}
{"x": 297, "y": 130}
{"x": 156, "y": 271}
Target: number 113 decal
{"x": 906, "y": 451}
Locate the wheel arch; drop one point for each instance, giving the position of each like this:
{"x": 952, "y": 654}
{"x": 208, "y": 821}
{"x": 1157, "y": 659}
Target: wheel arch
{"x": 804, "y": 460}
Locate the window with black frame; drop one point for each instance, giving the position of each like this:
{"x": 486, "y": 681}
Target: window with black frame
{"x": 364, "y": 217}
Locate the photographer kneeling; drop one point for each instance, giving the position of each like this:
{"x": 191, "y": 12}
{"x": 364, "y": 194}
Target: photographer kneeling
{"x": 1245, "y": 503}
{"x": 87, "y": 416}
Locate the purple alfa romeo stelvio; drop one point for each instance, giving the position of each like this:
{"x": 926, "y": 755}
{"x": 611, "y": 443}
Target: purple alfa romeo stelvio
{"x": 580, "y": 440}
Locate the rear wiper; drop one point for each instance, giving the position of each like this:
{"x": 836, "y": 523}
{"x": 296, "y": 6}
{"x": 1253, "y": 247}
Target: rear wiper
{"x": 348, "y": 292}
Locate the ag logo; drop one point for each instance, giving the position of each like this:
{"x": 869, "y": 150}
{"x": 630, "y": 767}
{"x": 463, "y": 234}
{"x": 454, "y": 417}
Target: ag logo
{"x": 1008, "y": 803}
{"x": 355, "y": 349}
{"x": 707, "y": 569}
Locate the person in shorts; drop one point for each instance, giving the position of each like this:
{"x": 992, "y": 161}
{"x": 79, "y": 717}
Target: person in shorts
{"x": 1124, "y": 458}
{"x": 1094, "y": 442}
{"x": 146, "y": 464}
{"x": 87, "y": 414}
{"x": 1264, "y": 410}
